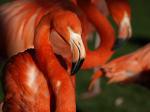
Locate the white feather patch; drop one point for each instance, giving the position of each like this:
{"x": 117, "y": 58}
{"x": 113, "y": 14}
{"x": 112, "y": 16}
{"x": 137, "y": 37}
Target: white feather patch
{"x": 31, "y": 78}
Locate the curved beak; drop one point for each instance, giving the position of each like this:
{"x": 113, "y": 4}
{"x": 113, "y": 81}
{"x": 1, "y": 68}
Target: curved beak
{"x": 125, "y": 31}
{"x": 78, "y": 51}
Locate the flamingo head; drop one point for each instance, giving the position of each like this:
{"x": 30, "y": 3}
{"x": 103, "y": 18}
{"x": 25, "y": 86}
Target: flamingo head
{"x": 66, "y": 36}
{"x": 125, "y": 30}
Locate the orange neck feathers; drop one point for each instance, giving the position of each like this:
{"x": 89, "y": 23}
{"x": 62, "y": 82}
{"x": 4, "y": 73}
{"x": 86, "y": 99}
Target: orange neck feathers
{"x": 59, "y": 78}
{"x": 105, "y": 30}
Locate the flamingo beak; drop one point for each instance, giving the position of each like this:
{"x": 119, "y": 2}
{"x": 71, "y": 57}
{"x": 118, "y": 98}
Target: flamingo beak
{"x": 125, "y": 32}
{"x": 78, "y": 51}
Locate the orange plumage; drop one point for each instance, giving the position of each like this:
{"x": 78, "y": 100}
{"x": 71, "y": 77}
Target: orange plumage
{"x": 38, "y": 27}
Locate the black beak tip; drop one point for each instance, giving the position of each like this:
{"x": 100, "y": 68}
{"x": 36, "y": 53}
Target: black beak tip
{"x": 76, "y": 66}
{"x": 73, "y": 69}
{"x": 119, "y": 43}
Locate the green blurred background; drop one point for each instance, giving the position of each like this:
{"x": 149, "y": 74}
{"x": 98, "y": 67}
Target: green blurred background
{"x": 132, "y": 98}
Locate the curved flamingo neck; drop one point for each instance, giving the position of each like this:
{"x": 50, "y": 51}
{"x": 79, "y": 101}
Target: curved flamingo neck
{"x": 101, "y": 23}
{"x": 59, "y": 78}
{"x": 104, "y": 51}
{"x": 41, "y": 41}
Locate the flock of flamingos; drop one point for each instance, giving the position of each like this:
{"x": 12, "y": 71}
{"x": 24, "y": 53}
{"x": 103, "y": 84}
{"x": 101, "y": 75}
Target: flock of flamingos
{"x": 45, "y": 44}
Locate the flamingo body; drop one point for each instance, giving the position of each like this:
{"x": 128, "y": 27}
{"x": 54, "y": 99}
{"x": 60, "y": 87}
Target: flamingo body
{"x": 57, "y": 22}
{"x": 25, "y": 86}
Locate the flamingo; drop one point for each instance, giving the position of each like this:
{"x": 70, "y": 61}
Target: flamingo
{"x": 131, "y": 68}
{"x": 56, "y": 22}
{"x": 20, "y": 27}
{"x": 127, "y": 69}
{"x": 99, "y": 21}
{"x": 121, "y": 13}
{"x": 26, "y": 88}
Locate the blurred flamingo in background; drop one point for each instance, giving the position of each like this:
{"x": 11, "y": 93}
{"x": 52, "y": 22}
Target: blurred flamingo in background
{"x": 121, "y": 13}
{"x": 119, "y": 10}
{"x": 104, "y": 51}
{"x": 131, "y": 68}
